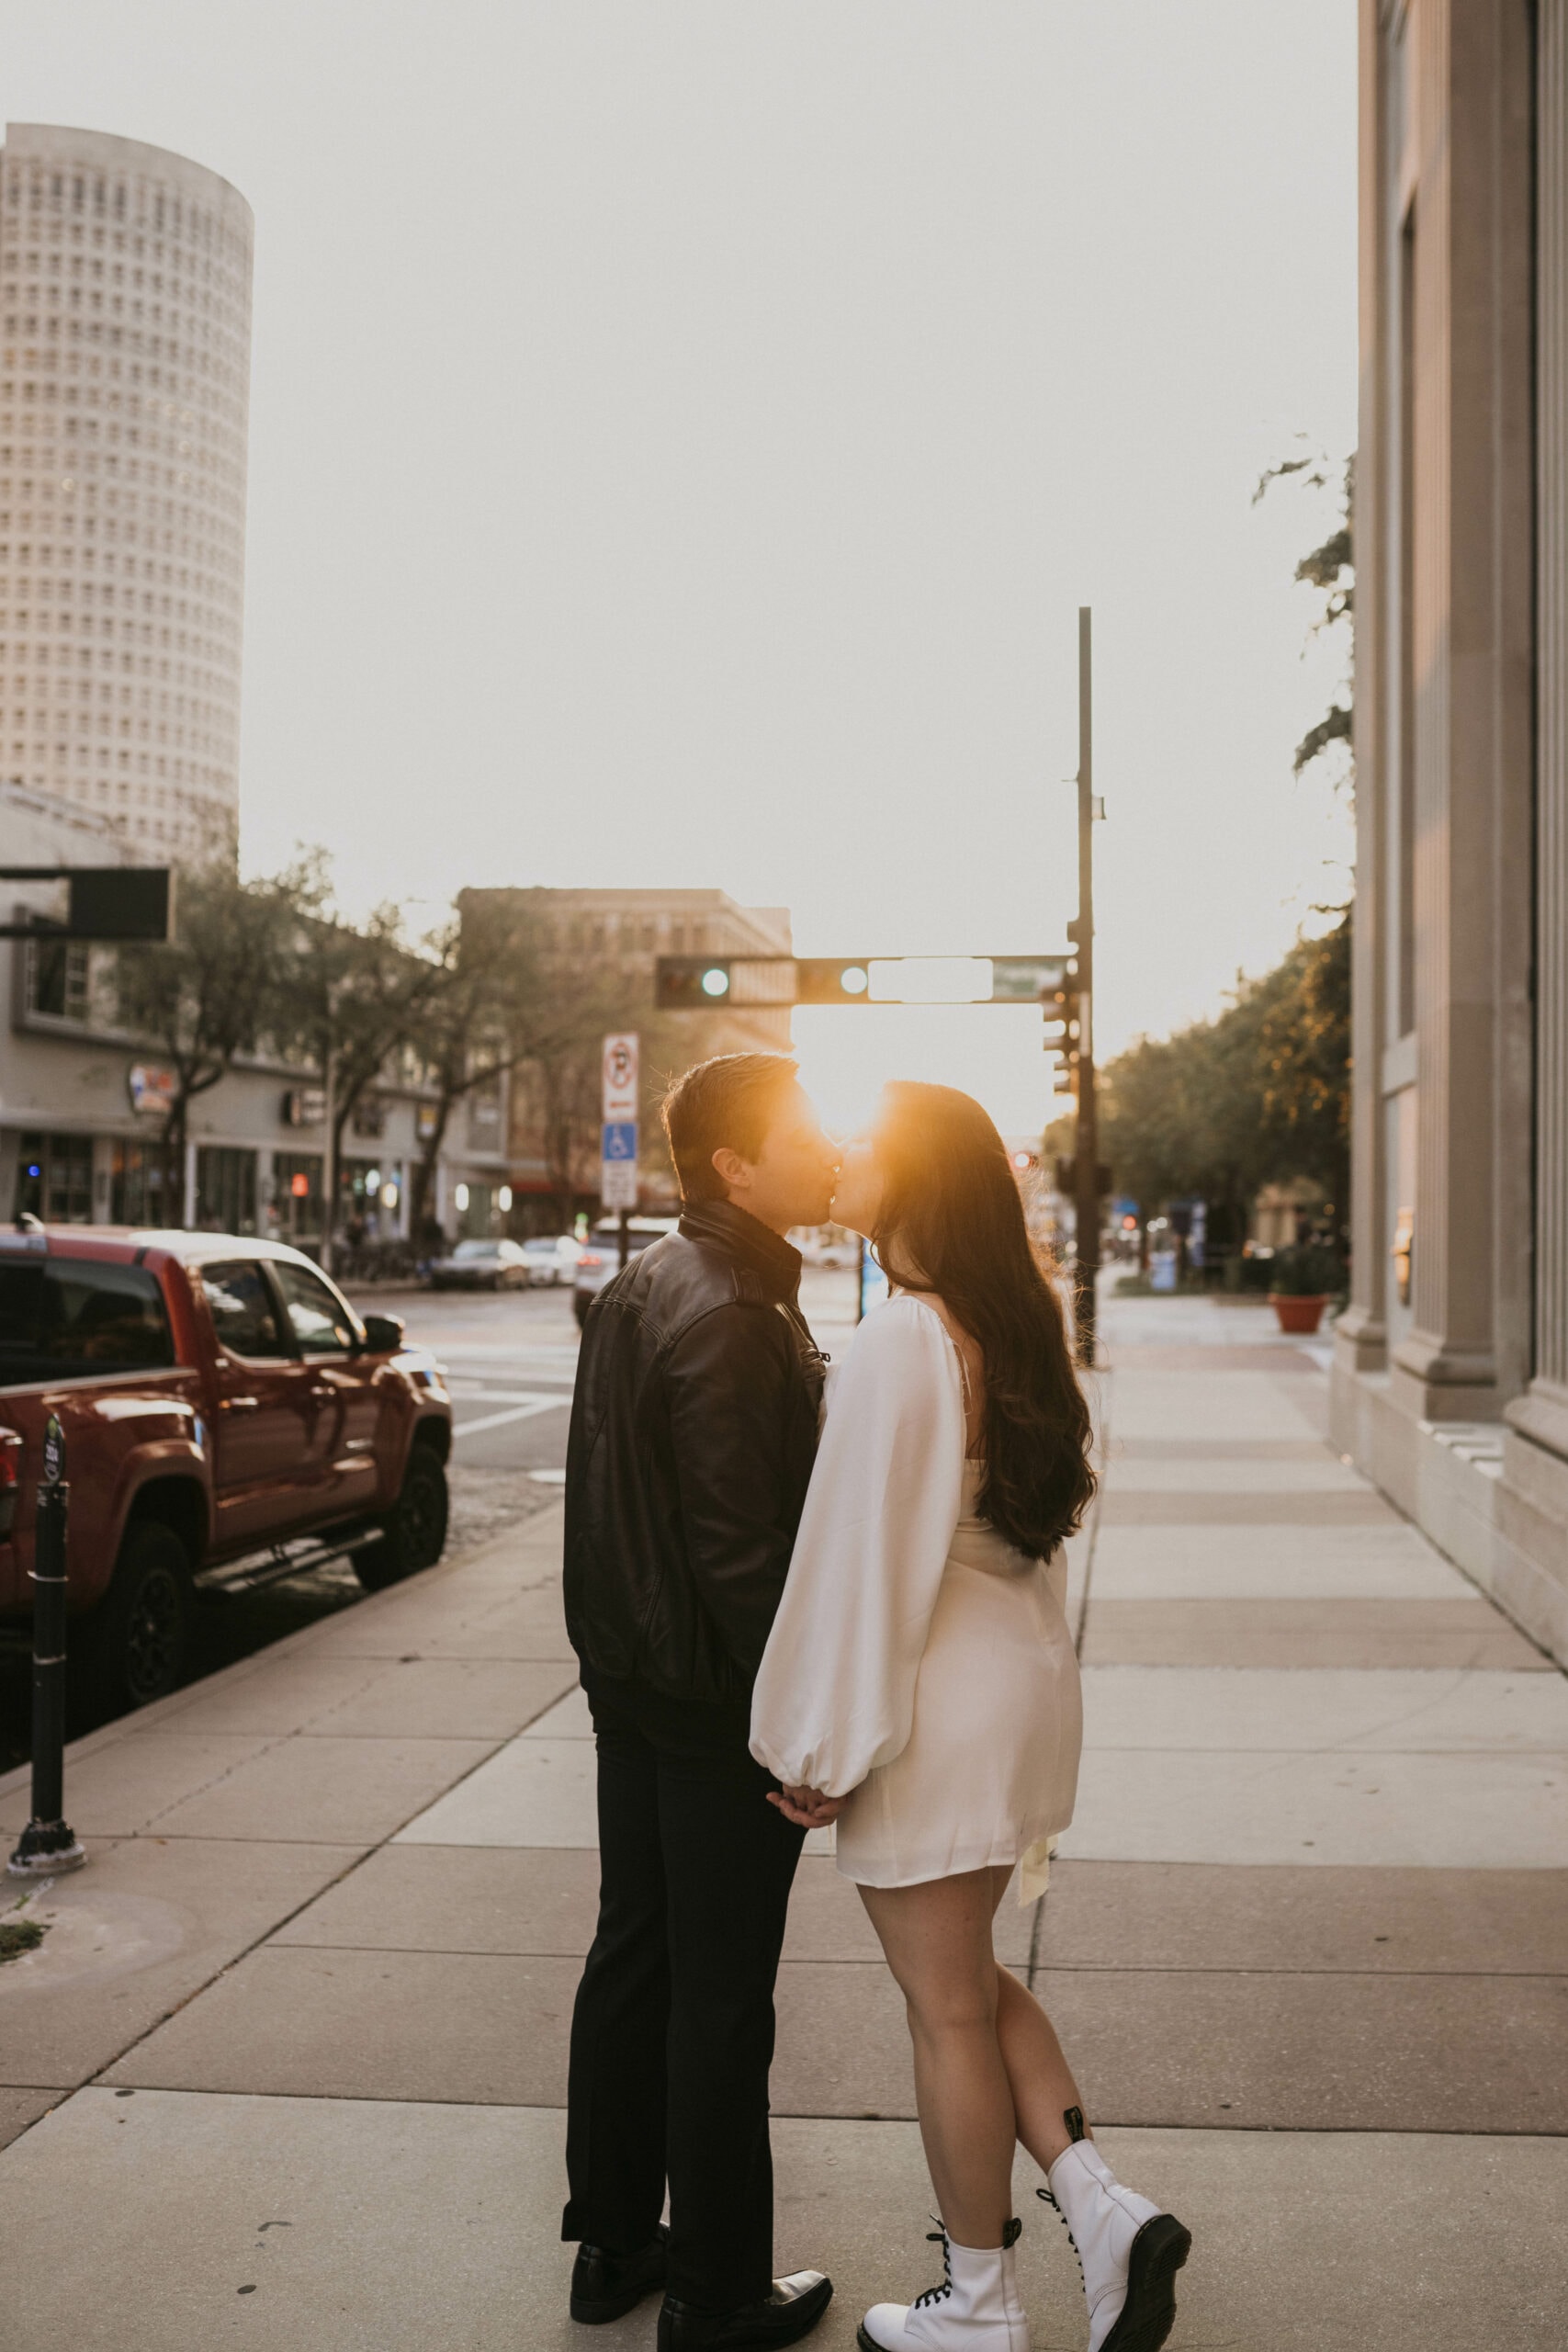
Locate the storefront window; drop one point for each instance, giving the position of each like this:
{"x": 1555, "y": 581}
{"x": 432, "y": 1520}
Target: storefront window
{"x": 478, "y": 1210}
{"x": 297, "y": 1197}
{"x": 54, "y": 1179}
{"x": 139, "y": 1194}
{"x": 225, "y": 1190}
{"x": 370, "y": 1196}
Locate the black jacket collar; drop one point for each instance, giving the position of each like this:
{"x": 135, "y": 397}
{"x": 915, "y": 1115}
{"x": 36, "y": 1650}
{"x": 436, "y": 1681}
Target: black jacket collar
{"x": 723, "y": 1227}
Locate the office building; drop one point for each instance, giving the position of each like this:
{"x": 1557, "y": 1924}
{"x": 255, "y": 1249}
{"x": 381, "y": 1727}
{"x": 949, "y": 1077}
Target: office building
{"x": 537, "y": 1132}
{"x": 125, "y": 302}
{"x": 1450, "y": 1384}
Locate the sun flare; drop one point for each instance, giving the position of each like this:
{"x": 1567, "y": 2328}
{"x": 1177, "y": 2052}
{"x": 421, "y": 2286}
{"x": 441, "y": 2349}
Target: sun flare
{"x": 991, "y": 1051}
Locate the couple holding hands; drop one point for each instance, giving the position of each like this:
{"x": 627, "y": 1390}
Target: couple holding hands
{"x": 794, "y": 1609}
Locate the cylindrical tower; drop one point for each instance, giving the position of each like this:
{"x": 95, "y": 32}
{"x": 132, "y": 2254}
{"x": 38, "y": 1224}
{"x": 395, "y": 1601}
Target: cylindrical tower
{"x": 125, "y": 298}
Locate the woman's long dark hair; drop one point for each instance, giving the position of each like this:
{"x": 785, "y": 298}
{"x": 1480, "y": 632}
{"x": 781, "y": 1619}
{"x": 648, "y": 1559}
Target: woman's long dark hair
{"x": 951, "y": 1224}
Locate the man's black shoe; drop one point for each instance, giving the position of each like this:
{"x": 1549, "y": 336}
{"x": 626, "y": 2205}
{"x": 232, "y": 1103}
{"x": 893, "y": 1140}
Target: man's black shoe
{"x": 792, "y": 2311}
{"x": 607, "y": 2285}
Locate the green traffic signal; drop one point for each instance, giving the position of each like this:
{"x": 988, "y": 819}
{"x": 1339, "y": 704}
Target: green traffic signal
{"x": 695, "y": 983}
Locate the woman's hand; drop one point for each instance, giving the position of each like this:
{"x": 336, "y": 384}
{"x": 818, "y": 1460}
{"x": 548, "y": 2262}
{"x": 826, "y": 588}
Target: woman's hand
{"x": 807, "y": 1808}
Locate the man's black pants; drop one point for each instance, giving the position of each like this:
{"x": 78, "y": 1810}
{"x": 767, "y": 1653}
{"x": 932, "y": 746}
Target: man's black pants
{"x": 673, "y": 2034}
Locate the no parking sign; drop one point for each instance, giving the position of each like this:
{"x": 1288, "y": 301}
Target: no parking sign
{"x": 618, "y": 1143}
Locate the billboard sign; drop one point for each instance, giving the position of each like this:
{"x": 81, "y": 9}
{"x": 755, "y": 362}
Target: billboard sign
{"x": 151, "y": 1089}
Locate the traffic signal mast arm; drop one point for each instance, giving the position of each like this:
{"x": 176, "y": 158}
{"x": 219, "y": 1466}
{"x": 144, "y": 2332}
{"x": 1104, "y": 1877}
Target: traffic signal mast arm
{"x": 698, "y": 983}
{"x": 104, "y": 902}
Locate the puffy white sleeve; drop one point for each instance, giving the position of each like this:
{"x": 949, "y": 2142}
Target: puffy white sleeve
{"x": 835, "y": 1695}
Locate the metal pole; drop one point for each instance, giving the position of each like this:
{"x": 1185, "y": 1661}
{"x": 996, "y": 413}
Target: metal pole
{"x": 1086, "y": 1154}
{"x": 48, "y": 1844}
{"x": 329, "y": 1151}
{"x": 626, "y": 1238}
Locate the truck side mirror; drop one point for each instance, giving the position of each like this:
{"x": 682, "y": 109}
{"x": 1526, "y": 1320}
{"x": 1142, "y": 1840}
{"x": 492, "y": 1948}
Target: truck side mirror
{"x": 383, "y": 1334}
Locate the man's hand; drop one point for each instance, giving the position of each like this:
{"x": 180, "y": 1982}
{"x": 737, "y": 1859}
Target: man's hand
{"x": 807, "y": 1808}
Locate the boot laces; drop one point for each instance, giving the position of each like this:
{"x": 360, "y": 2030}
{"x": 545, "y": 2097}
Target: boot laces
{"x": 937, "y": 2294}
{"x": 1045, "y": 2195}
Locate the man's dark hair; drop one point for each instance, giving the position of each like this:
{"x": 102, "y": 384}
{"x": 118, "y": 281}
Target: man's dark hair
{"x": 724, "y": 1102}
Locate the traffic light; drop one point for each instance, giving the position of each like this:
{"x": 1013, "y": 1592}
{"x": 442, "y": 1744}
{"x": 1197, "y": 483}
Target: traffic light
{"x": 1063, "y": 1016}
{"x": 827, "y": 979}
{"x": 692, "y": 983}
{"x": 702, "y": 983}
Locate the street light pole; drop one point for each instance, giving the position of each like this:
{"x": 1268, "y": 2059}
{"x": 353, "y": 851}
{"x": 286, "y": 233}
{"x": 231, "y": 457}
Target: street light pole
{"x": 1085, "y": 1155}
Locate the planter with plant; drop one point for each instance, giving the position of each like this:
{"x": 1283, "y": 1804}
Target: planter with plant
{"x": 1302, "y": 1281}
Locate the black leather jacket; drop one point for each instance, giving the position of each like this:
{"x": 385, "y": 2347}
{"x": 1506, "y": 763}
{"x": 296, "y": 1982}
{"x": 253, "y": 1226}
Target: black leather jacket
{"x": 694, "y": 1429}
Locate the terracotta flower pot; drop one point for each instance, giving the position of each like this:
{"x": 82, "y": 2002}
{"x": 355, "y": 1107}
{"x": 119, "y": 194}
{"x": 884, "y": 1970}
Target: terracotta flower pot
{"x": 1297, "y": 1314}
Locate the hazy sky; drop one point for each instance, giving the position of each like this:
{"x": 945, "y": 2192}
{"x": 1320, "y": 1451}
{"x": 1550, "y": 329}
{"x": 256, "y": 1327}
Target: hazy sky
{"x": 684, "y": 431}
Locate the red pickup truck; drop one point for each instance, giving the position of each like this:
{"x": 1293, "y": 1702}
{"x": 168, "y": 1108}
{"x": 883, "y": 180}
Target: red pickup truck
{"x": 227, "y": 1417}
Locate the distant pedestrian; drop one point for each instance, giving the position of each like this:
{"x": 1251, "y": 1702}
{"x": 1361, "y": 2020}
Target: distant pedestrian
{"x": 694, "y": 1429}
{"x": 920, "y": 1688}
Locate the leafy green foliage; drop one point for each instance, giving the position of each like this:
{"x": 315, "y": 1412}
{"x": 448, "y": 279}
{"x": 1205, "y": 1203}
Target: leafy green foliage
{"x": 1334, "y": 727}
{"x": 1330, "y": 568}
{"x": 1307, "y": 1270}
{"x": 208, "y": 995}
{"x": 1256, "y": 1097}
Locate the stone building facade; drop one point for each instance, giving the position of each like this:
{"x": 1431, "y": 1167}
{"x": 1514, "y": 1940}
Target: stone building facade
{"x": 81, "y": 1112}
{"x": 125, "y": 329}
{"x": 605, "y": 942}
{"x": 1450, "y": 1384}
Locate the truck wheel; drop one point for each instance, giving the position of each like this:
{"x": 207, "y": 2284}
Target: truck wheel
{"x": 415, "y": 1526}
{"x": 139, "y": 1637}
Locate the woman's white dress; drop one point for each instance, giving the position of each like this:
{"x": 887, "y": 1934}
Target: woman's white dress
{"x": 916, "y": 1658}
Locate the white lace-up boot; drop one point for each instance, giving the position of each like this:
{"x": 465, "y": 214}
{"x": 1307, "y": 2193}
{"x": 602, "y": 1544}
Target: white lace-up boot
{"x": 975, "y": 2308}
{"x": 1128, "y": 2250}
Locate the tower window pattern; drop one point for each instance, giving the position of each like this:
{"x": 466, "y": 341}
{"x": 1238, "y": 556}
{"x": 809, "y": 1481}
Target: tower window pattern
{"x": 125, "y": 293}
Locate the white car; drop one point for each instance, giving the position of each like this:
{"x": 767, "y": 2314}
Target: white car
{"x": 552, "y": 1259}
{"x": 481, "y": 1265}
{"x": 599, "y": 1260}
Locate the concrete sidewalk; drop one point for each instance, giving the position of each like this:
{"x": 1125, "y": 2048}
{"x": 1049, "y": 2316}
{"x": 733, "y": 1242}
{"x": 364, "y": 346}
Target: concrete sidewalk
{"x": 292, "y": 2053}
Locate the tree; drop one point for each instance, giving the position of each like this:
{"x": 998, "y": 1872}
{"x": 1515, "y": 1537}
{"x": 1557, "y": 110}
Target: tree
{"x": 349, "y": 998}
{"x": 580, "y": 1003}
{"x": 1330, "y": 568}
{"x": 1260, "y": 1095}
{"x": 208, "y": 994}
{"x": 492, "y": 1012}
{"x": 1303, "y": 1048}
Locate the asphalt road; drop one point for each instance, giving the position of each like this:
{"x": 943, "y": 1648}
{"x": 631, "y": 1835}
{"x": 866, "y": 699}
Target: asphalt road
{"x": 511, "y": 1359}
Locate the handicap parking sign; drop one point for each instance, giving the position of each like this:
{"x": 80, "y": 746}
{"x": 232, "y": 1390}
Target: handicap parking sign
{"x": 620, "y": 1140}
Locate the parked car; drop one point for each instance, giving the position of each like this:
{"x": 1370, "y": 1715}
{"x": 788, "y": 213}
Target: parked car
{"x": 600, "y": 1259}
{"x": 227, "y": 1420}
{"x": 552, "y": 1259}
{"x": 481, "y": 1265}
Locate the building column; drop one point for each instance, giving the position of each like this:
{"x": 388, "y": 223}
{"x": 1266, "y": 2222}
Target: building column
{"x": 1361, "y": 1335}
{"x": 1472, "y": 619}
{"x": 1542, "y": 1414}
